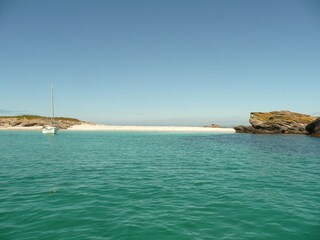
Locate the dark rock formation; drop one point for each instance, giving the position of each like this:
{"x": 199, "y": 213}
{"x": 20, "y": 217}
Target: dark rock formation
{"x": 276, "y": 122}
{"x": 244, "y": 129}
{"x": 213, "y": 126}
{"x": 37, "y": 121}
{"x": 314, "y": 127}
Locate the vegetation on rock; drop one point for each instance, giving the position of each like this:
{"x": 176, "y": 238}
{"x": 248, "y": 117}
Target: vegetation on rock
{"x": 34, "y": 121}
{"x": 277, "y": 122}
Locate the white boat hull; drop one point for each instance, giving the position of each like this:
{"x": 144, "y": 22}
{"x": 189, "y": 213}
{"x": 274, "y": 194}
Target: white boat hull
{"x": 50, "y": 130}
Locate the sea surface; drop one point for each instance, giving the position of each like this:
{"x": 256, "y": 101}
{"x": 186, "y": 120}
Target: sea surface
{"x": 139, "y": 185}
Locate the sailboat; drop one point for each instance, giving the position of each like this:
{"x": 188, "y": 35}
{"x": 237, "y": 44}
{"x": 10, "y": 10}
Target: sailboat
{"x": 52, "y": 129}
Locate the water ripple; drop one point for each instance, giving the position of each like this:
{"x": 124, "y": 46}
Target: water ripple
{"x": 158, "y": 186}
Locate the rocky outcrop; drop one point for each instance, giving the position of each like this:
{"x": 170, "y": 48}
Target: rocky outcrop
{"x": 277, "y": 122}
{"x": 37, "y": 121}
{"x": 244, "y": 129}
{"x": 314, "y": 127}
{"x": 213, "y": 126}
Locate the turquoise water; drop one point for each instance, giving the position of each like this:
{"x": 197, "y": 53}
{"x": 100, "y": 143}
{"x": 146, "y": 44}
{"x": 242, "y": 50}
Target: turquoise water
{"x": 131, "y": 185}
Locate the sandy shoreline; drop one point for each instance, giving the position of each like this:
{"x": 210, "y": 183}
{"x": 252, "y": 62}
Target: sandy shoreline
{"x": 97, "y": 127}
{"x": 89, "y": 127}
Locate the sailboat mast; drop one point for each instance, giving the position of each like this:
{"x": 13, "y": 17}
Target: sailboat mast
{"x": 52, "y": 103}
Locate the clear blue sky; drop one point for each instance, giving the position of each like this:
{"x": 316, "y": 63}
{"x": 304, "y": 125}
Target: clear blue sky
{"x": 159, "y": 62}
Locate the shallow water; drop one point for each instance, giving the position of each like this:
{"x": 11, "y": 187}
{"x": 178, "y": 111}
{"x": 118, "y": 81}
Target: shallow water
{"x": 135, "y": 185}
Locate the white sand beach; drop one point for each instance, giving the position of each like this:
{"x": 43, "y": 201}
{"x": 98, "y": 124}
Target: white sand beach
{"x": 100, "y": 127}
{"x": 97, "y": 127}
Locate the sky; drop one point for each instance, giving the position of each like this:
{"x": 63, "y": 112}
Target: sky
{"x": 164, "y": 62}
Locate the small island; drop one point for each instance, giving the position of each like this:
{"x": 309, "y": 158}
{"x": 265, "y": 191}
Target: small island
{"x": 34, "y": 121}
{"x": 281, "y": 122}
{"x": 275, "y": 122}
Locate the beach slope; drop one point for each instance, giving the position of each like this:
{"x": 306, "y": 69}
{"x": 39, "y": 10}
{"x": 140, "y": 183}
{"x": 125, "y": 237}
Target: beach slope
{"x": 97, "y": 127}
